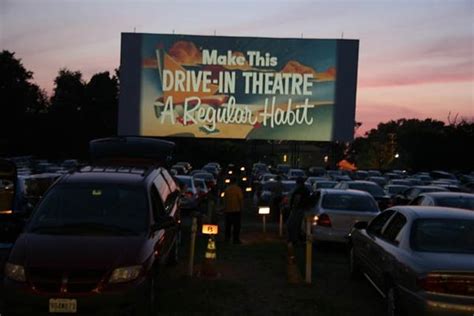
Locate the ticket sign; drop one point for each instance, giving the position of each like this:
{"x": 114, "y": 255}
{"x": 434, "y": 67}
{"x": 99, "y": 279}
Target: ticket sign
{"x": 210, "y": 229}
{"x": 264, "y": 210}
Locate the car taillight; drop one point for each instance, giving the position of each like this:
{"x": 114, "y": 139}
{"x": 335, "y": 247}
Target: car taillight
{"x": 324, "y": 220}
{"x": 189, "y": 194}
{"x": 448, "y": 284}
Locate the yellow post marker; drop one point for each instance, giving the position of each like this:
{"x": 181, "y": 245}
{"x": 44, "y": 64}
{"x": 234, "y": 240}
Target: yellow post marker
{"x": 309, "y": 249}
{"x": 208, "y": 267}
{"x": 192, "y": 248}
{"x": 264, "y": 210}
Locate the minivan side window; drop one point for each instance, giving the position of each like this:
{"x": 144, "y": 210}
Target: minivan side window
{"x": 392, "y": 231}
{"x": 376, "y": 225}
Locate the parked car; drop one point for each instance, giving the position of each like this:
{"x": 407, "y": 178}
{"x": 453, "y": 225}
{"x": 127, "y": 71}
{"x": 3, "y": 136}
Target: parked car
{"x": 382, "y": 181}
{"x": 418, "y": 258}
{"x": 293, "y": 174}
{"x": 393, "y": 189}
{"x": 208, "y": 177}
{"x": 323, "y": 184}
{"x": 317, "y": 171}
{"x": 336, "y": 211}
{"x": 410, "y": 194}
{"x": 96, "y": 241}
{"x": 383, "y": 200}
{"x": 447, "y": 199}
{"x": 190, "y": 197}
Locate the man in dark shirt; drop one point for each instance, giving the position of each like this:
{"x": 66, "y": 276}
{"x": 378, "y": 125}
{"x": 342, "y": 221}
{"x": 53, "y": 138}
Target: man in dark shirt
{"x": 299, "y": 202}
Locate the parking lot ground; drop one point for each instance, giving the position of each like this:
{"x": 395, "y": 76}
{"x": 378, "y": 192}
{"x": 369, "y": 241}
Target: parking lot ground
{"x": 253, "y": 279}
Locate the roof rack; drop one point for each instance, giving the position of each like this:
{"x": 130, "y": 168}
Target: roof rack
{"x": 143, "y": 171}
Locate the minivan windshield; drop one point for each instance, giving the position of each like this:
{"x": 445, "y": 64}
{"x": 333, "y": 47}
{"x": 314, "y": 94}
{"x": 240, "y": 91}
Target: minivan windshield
{"x": 92, "y": 209}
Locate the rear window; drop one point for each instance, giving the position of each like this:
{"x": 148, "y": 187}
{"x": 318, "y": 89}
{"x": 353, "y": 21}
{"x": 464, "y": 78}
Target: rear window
{"x": 443, "y": 235}
{"x": 374, "y": 190}
{"x": 457, "y": 202}
{"x": 205, "y": 176}
{"x": 349, "y": 202}
{"x": 187, "y": 181}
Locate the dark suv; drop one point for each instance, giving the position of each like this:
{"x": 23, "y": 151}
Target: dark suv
{"x": 95, "y": 243}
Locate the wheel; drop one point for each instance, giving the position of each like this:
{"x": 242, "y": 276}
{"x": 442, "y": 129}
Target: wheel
{"x": 392, "y": 301}
{"x": 354, "y": 269}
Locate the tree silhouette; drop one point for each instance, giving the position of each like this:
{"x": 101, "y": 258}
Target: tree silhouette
{"x": 21, "y": 100}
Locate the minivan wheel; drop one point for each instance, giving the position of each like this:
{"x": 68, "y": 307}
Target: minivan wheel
{"x": 391, "y": 301}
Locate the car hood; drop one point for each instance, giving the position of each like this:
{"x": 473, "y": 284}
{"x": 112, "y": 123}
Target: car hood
{"x": 53, "y": 251}
{"x": 429, "y": 261}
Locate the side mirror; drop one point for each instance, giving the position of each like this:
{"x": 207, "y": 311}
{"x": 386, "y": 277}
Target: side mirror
{"x": 360, "y": 225}
{"x": 163, "y": 223}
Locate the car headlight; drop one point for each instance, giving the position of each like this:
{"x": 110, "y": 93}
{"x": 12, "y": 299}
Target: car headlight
{"x": 125, "y": 274}
{"x": 15, "y": 272}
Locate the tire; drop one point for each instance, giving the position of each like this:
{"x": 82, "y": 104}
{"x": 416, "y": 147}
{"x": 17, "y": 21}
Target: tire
{"x": 148, "y": 304}
{"x": 391, "y": 301}
{"x": 354, "y": 268}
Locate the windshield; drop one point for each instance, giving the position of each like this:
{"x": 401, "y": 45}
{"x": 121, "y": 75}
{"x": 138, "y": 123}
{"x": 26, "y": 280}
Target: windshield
{"x": 457, "y": 202}
{"x": 92, "y": 209}
{"x": 396, "y": 189}
{"x": 205, "y": 176}
{"x": 373, "y": 189}
{"x": 443, "y": 235}
{"x": 297, "y": 173}
{"x": 349, "y": 202}
{"x": 187, "y": 181}
{"x": 325, "y": 185}
{"x": 200, "y": 183}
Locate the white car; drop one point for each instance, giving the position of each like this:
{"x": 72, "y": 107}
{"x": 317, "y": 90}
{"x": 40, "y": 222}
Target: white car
{"x": 336, "y": 211}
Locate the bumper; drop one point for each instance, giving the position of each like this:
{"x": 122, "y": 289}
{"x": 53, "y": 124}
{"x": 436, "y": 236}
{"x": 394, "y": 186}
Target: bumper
{"x": 20, "y": 299}
{"x": 329, "y": 234}
{"x": 436, "y": 305}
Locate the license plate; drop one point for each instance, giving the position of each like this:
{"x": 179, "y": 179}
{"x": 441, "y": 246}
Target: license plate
{"x": 62, "y": 305}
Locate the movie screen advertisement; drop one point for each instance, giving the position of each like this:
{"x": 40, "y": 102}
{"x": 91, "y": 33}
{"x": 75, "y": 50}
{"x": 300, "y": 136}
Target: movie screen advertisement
{"x": 237, "y": 87}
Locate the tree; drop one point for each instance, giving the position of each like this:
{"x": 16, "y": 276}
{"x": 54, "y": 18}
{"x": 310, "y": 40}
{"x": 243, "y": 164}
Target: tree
{"x": 21, "y": 100}
{"x": 101, "y": 105}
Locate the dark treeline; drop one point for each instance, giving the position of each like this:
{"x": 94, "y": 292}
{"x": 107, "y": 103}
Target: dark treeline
{"x": 61, "y": 125}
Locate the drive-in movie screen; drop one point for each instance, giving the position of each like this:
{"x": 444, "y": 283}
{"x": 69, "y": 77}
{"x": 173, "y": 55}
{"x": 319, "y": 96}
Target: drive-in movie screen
{"x": 240, "y": 87}
{"x": 236, "y": 157}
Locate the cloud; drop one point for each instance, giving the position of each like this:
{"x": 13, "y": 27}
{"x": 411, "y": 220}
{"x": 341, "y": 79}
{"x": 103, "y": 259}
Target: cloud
{"x": 294, "y": 66}
{"x": 185, "y": 53}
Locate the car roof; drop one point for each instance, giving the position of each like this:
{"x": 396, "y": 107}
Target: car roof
{"x": 448, "y": 194}
{"x": 116, "y": 175}
{"x": 423, "y": 211}
{"x": 350, "y": 191}
{"x": 362, "y": 182}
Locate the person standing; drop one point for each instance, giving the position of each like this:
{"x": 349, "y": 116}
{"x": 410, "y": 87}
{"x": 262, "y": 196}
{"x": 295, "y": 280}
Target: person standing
{"x": 233, "y": 204}
{"x": 299, "y": 202}
{"x": 277, "y": 197}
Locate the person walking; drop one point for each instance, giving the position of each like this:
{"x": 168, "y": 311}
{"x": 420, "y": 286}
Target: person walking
{"x": 299, "y": 202}
{"x": 233, "y": 204}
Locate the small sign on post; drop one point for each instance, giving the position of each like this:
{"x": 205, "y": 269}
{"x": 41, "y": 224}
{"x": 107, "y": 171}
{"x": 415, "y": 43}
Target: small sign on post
{"x": 264, "y": 210}
{"x": 208, "y": 229}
